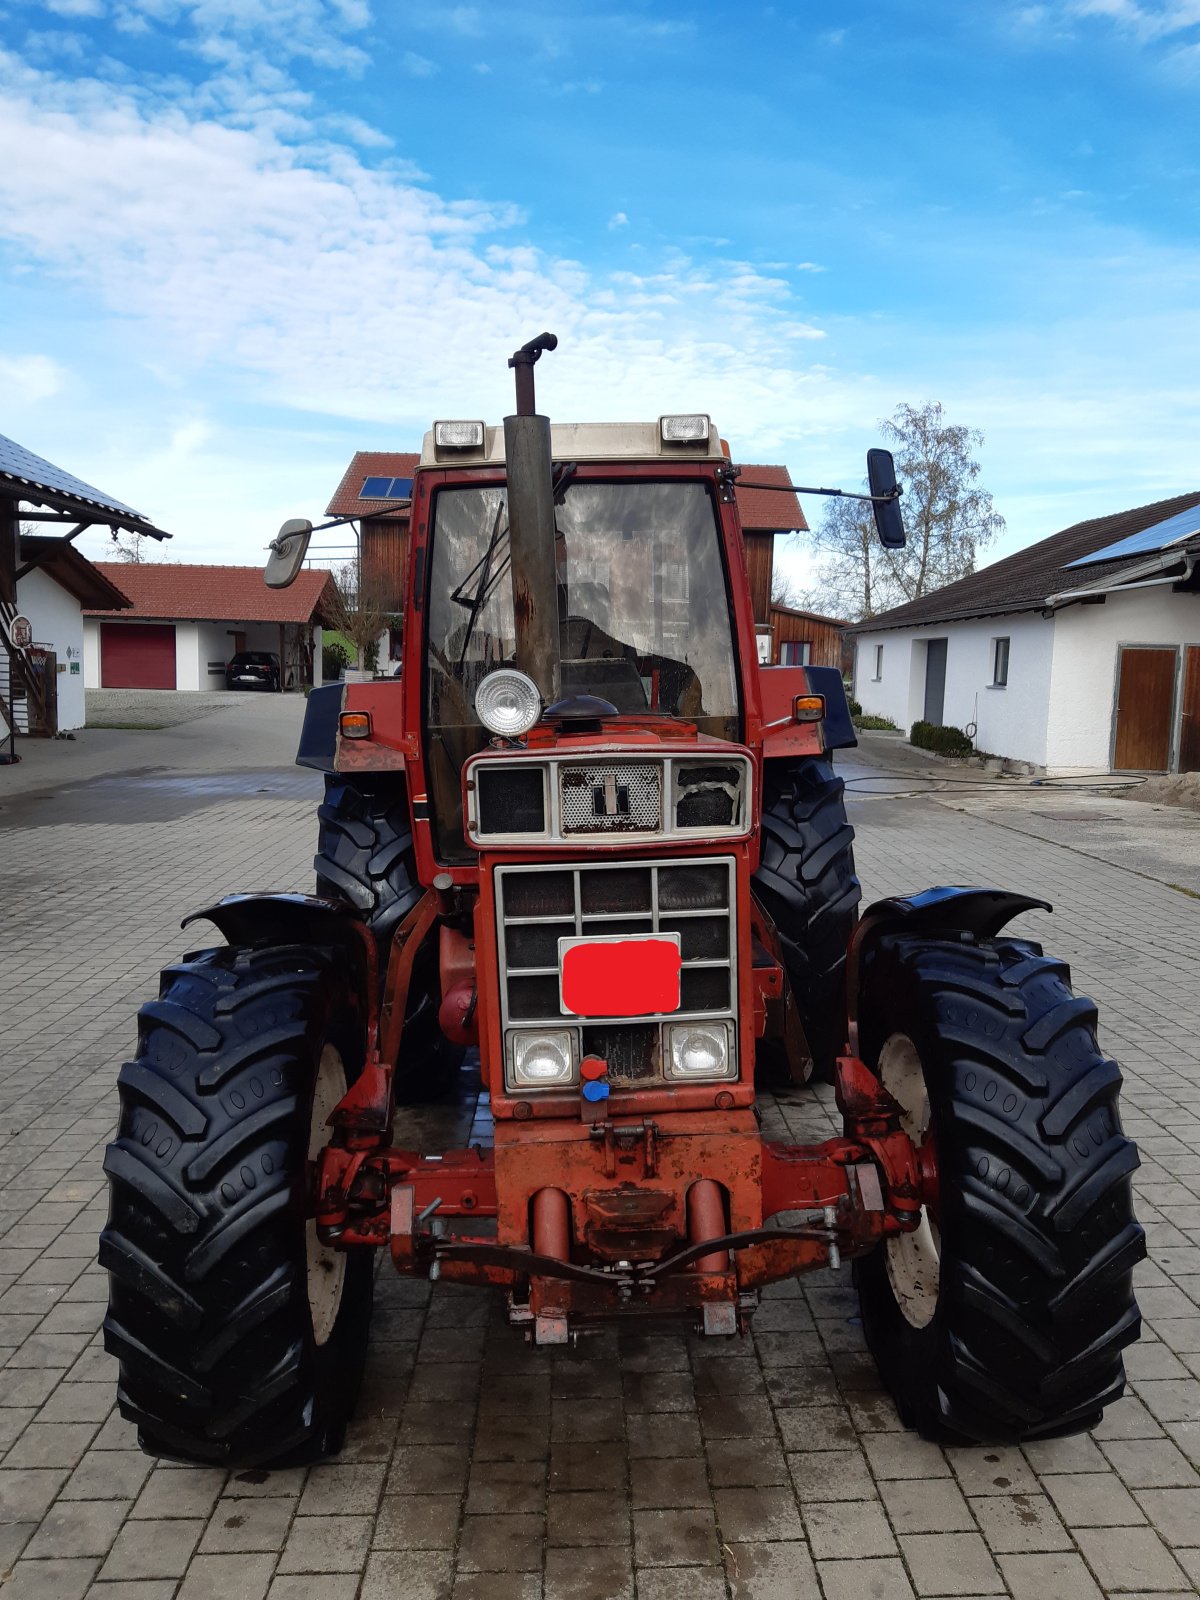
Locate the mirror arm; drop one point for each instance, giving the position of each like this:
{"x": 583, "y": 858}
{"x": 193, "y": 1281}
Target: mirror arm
{"x": 842, "y": 494}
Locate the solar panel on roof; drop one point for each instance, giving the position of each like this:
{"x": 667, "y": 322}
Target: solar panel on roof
{"x": 1160, "y": 537}
{"x": 376, "y": 489}
{"x": 21, "y": 465}
{"x": 402, "y": 488}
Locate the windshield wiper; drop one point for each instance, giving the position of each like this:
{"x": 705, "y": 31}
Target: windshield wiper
{"x": 488, "y": 583}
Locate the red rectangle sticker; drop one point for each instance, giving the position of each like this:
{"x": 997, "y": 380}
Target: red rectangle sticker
{"x": 616, "y": 977}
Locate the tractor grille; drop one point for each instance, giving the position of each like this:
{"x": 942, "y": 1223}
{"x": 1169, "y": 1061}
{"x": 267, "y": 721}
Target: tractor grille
{"x": 537, "y": 906}
{"x": 616, "y": 799}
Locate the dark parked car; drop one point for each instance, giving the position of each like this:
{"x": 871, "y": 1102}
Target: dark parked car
{"x": 253, "y": 669}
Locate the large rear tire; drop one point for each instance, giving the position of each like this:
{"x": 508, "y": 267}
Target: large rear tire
{"x": 807, "y": 885}
{"x": 1004, "y": 1316}
{"x": 365, "y": 857}
{"x": 241, "y": 1339}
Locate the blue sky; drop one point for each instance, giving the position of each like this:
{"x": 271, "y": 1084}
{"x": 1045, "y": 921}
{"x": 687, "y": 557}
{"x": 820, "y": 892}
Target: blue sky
{"x": 240, "y": 239}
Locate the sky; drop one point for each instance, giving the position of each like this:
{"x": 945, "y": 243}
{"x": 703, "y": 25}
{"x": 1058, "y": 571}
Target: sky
{"x": 241, "y": 239}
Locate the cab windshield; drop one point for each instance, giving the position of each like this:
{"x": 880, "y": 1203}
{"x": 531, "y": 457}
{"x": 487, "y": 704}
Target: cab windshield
{"x": 644, "y": 618}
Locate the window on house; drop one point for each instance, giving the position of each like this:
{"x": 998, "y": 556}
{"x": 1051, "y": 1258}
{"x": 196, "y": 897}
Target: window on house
{"x": 795, "y": 653}
{"x": 878, "y": 663}
{"x": 999, "y": 663}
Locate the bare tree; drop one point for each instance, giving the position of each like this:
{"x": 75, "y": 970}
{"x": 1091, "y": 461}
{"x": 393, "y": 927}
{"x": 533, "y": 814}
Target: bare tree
{"x": 130, "y": 547}
{"x": 948, "y": 517}
{"x": 358, "y": 606}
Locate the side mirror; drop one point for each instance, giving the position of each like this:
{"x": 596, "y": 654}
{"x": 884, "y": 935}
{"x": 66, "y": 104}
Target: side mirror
{"x": 288, "y": 549}
{"x": 885, "y": 492}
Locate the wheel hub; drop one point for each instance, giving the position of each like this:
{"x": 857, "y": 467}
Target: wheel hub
{"x": 913, "y": 1259}
{"x": 326, "y": 1267}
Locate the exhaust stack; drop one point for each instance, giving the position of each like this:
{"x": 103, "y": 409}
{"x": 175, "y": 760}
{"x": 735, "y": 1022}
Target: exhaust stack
{"x": 531, "y": 527}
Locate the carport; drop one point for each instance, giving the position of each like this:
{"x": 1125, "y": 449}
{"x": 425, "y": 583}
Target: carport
{"x": 35, "y": 491}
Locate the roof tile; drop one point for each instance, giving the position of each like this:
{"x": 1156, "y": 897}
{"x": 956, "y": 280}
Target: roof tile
{"x": 167, "y": 590}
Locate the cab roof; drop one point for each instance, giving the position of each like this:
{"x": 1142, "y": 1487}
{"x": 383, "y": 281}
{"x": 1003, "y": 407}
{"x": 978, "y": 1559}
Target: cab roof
{"x": 583, "y": 441}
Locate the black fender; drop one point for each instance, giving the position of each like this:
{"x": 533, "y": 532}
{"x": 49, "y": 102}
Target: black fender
{"x": 837, "y": 730}
{"x": 257, "y": 920}
{"x": 319, "y": 735}
{"x": 945, "y": 911}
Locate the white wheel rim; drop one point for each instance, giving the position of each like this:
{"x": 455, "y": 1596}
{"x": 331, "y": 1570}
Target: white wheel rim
{"x": 914, "y": 1260}
{"x": 326, "y": 1266}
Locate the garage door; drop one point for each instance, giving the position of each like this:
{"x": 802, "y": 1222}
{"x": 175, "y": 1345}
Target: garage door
{"x": 137, "y": 657}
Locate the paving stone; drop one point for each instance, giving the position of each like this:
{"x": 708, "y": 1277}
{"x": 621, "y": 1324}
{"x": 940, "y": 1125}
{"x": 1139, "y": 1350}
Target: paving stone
{"x": 507, "y": 1486}
{"x": 1048, "y": 1577}
{"x": 883, "y": 1578}
{"x": 586, "y": 1517}
{"x": 585, "y": 1574}
{"x": 815, "y": 1427}
{"x": 848, "y": 1530}
{"x": 1093, "y": 1500}
{"x": 678, "y": 1583}
{"x": 314, "y": 1586}
{"x": 1020, "y": 1522}
{"x": 83, "y": 1528}
{"x": 482, "y": 1586}
{"x": 502, "y": 1543}
{"x": 49, "y": 1580}
{"x": 1174, "y": 1512}
{"x": 338, "y": 1489}
{"x": 771, "y": 1571}
{"x": 242, "y": 1577}
{"x": 326, "y": 1544}
{"x": 933, "y": 1505}
{"x": 1151, "y": 1464}
{"x": 26, "y": 1496}
{"x": 152, "y": 1550}
{"x": 831, "y": 1475}
{"x": 588, "y": 1464}
{"x": 405, "y": 1575}
{"x": 950, "y": 1564}
{"x": 745, "y": 1463}
{"x": 237, "y": 1525}
{"x": 674, "y": 1483}
{"x": 428, "y": 1469}
{"x": 758, "y": 1516}
{"x": 170, "y": 1492}
{"x": 1130, "y": 1558}
{"x": 669, "y": 1538}
{"x": 417, "y": 1522}
{"x": 902, "y": 1455}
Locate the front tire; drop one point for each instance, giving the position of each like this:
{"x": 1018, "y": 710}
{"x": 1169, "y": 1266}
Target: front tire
{"x": 365, "y": 857}
{"x": 1004, "y": 1317}
{"x": 807, "y": 885}
{"x": 241, "y": 1339}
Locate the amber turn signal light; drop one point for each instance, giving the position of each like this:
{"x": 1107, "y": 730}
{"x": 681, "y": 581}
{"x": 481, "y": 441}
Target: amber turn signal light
{"x": 355, "y": 724}
{"x": 808, "y": 707}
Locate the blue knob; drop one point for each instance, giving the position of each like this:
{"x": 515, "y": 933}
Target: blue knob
{"x": 595, "y": 1091}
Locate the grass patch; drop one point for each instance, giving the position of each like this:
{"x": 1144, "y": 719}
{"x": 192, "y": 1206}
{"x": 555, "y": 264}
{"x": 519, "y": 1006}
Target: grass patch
{"x": 137, "y": 727}
{"x": 874, "y": 724}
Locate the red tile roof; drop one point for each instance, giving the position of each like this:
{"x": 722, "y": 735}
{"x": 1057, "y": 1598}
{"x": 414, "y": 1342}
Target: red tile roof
{"x": 60, "y": 560}
{"x": 347, "y": 502}
{"x": 764, "y": 511}
{"x": 169, "y": 590}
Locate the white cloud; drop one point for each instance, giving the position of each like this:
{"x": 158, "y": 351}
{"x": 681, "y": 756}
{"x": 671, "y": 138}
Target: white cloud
{"x": 26, "y": 380}
{"x": 1146, "y": 21}
{"x": 618, "y": 220}
{"x": 809, "y": 266}
{"x": 418, "y": 66}
{"x": 75, "y": 8}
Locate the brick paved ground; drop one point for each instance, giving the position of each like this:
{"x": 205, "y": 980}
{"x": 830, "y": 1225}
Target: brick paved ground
{"x": 660, "y": 1467}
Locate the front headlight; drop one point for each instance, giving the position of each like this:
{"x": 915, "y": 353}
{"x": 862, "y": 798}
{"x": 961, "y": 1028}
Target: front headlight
{"x": 542, "y": 1060}
{"x": 508, "y": 702}
{"x": 700, "y": 1051}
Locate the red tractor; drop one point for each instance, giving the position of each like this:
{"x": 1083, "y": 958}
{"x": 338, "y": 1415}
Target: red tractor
{"x": 587, "y": 833}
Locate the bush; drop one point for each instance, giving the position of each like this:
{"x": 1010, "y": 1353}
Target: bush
{"x": 874, "y": 724}
{"x": 945, "y": 741}
{"x": 855, "y": 708}
{"x": 335, "y": 658}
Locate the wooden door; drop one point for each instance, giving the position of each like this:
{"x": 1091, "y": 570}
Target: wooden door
{"x": 1189, "y": 732}
{"x": 1145, "y": 703}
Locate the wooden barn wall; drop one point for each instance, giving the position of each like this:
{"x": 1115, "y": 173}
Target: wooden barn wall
{"x": 826, "y": 640}
{"x": 760, "y": 561}
{"x": 385, "y": 548}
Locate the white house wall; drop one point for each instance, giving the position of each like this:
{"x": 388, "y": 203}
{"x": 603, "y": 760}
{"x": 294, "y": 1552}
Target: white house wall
{"x": 57, "y": 619}
{"x": 1010, "y": 721}
{"x": 1084, "y": 678}
{"x": 199, "y": 647}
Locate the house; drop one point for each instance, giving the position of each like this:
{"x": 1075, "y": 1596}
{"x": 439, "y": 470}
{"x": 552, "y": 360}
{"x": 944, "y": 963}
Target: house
{"x": 44, "y": 584}
{"x": 376, "y": 486}
{"x": 54, "y": 584}
{"x": 185, "y": 621}
{"x": 805, "y": 638}
{"x": 1080, "y": 654}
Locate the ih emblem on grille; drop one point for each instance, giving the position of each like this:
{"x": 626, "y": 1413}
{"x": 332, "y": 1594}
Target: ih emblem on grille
{"x": 610, "y": 798}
